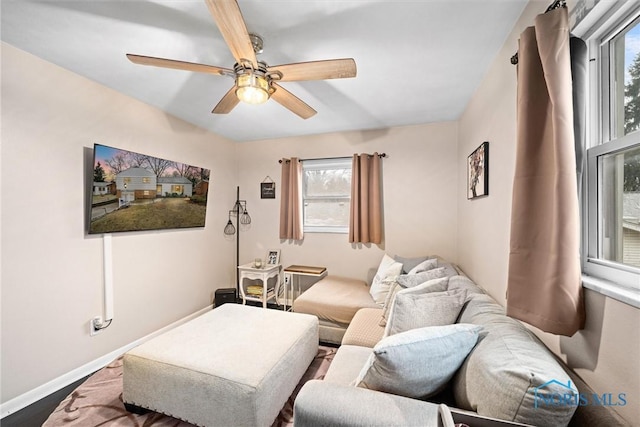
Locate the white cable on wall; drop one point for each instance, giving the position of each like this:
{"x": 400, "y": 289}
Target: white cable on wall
{"x": 108, "y": 278}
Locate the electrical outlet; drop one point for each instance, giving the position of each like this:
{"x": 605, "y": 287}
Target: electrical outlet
{"x": 95, "y": 325}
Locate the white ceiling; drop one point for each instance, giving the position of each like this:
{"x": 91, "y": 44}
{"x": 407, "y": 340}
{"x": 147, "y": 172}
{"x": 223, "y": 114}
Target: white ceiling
{"x": 418, "y": 61}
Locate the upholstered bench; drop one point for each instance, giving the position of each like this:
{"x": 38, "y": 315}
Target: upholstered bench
{"x": 236, "y": 365}
{"x": 334, "y": 300}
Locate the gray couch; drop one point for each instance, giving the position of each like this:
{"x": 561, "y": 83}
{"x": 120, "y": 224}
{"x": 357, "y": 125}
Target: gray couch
{"x": 509, "y": 375}
{"x": 335, "y": 300}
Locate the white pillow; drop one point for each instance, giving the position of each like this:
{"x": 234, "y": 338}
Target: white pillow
{"x": 388, "y": 270}
{"x": 420, "y": 362}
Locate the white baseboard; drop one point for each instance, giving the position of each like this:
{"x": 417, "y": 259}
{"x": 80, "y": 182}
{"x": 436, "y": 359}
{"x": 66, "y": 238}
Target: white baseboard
{"x": 56, "y": 384}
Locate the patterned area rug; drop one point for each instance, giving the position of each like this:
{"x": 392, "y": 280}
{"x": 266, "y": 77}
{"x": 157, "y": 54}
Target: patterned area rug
{"x": 98, "y": 401}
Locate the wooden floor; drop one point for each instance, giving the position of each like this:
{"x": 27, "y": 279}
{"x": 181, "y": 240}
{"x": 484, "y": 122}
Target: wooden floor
{"x": 37, "y": 413}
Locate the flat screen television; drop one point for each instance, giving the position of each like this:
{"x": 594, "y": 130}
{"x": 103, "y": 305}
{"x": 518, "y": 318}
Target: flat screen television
{"x": 136, "y": 192}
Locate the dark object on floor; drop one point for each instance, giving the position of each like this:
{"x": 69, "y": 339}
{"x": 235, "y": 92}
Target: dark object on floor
{"x": 224, "y": 295}
{"x": 138, "y": 410}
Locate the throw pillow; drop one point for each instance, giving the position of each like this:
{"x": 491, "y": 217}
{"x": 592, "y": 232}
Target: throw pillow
{"x": 412, "y": 310}
{"x": 424, "y": 266}
{"x": 420, "y": 362}
{"x": 434, "y": 285}
{"x": 394, "y": 288}
{"x": 411, "y": 280}
{"x": 450, "y": 269}
{"x": 440, "y": 284}
{"x": 387, "y": 270}
{"x": 409, "y": 263}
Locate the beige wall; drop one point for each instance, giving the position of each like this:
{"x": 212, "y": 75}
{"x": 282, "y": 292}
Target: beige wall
{"x": 605, "y": 354}
{"x": 420, "y": 183}
{"x": 51, "y": 271}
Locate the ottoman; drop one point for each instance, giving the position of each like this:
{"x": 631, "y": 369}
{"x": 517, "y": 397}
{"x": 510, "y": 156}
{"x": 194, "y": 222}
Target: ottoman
{"x": 234, "y": 366}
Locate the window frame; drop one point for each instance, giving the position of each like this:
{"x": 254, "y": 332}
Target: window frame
{"x": 324, "y": 164}
{"x": 593, "y": 265}
{"x": 619, "y": 281}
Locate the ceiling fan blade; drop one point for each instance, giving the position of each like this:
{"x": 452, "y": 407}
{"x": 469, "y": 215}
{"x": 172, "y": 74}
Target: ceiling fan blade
{"x": 317, "y": 70}
{"x": 291, "y": 102}
{"x": 227, "y": 103}
{"x": 229, "y": 19}
{"x": 178, "y": 65}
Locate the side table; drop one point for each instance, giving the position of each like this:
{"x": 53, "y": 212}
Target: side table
{"x": 294, "y": 272}
{"x": 247, "y": 271}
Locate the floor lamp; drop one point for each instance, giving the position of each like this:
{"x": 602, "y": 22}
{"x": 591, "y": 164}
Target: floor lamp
{"x": 242, "y": 219}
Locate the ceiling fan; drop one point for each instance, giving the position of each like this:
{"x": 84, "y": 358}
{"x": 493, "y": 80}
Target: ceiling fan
{"x": 255, "y": 81}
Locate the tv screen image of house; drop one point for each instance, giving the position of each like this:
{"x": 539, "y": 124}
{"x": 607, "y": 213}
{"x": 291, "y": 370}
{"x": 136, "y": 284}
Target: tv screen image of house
{"x": 134, "y": 192}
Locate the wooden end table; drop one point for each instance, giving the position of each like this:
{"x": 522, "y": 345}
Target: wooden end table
{"x": 293, "y": 273}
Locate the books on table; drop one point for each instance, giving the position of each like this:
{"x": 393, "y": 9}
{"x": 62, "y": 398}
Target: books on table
{"x": 256, "y": 291}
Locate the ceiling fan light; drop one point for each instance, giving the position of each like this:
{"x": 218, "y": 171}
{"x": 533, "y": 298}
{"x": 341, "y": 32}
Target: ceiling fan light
{"x": 252, "y": 88}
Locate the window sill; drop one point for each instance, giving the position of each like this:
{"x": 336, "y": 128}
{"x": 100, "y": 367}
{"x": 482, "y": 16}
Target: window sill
{"x": 330, "y": 230}
{"x": 612, "y": 290}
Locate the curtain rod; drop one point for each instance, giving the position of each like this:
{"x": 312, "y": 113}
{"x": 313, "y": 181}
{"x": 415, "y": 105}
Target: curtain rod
{"x": 556, "y": 4}
{"x": 334, "y": 158}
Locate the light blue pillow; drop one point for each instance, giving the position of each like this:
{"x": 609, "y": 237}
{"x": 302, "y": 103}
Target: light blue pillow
{"x": 420, "y": 362}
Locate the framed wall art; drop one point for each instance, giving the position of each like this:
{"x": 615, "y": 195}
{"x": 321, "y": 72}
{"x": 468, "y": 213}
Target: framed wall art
{"x": 268, "y": 189}
{"x": 273, "y": 257}
{"x": 478, "y": 172}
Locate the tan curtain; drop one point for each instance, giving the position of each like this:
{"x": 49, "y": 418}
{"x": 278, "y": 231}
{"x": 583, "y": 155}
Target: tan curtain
{"x": 544, "y": 281}
{"x": 291, "y": 200}
{"x": 365, "y": 224}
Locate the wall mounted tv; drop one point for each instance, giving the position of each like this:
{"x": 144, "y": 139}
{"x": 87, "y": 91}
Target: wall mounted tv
{"x": 135, "y": 192}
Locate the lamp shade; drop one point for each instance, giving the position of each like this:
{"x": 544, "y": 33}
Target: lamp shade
{"x": 245, "y": 219}
{"x": 252, "y": 88}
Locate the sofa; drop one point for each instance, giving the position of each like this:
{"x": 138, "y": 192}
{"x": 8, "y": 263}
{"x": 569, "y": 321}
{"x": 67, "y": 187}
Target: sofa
{"x": 442, "y": 341}
{"x": 335, "y": 300}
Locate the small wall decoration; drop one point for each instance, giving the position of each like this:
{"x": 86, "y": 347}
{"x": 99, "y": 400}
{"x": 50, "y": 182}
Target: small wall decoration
{"x": 478, "y": 172}
{"x": 273, "y": 257}
{"x": 268, "y": 189}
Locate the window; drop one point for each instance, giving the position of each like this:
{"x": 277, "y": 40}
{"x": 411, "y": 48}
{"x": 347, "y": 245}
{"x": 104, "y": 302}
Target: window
{"x": 326, "y": 195}
{"x": 612, "y": 231}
